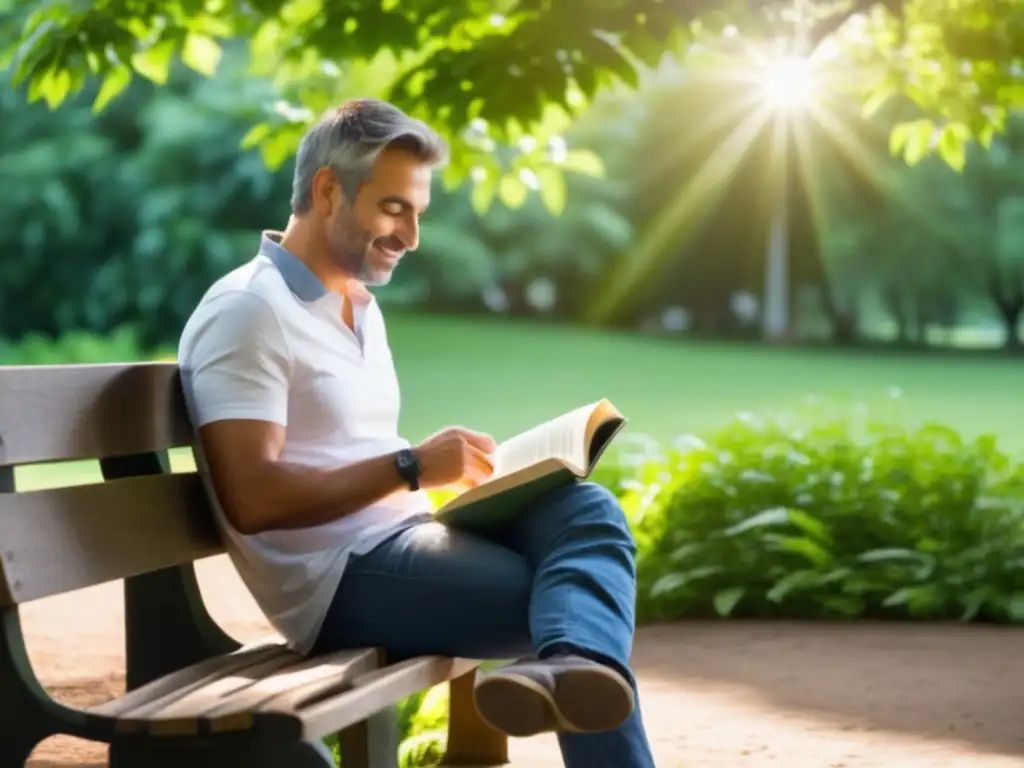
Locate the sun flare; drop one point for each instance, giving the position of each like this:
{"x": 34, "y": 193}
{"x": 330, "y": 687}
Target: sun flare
{"x": 789, "y": 82}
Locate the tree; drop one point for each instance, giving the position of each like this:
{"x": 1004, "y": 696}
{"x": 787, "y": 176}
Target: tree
{"x": 956, "y": 61}
{"x": 516, "y": 71}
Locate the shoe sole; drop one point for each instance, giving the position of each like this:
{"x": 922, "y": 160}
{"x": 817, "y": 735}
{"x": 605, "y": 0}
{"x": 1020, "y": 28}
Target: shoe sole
{"x": 588, "y": 700}
{"x": 515, "y": 705}
{"x": 593, "y": 699}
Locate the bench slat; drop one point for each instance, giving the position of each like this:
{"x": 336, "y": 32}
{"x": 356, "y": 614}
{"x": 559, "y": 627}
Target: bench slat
{"x": 64, "y": 412}
{"x": 375, "y": 691}
{"x": 186, "y": 680}
{"x": 241, "y": 690}
{"x": 315, "y": 677}
{"x": 58, "y": 541}
{"x": 316, "y": 696}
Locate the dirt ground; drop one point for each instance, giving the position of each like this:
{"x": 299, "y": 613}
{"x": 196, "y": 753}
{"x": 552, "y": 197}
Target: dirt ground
{"x": 729, "y": 694}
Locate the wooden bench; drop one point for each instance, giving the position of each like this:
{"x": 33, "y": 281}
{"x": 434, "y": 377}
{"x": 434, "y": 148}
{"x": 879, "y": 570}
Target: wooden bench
{"x": 195, "y": 696}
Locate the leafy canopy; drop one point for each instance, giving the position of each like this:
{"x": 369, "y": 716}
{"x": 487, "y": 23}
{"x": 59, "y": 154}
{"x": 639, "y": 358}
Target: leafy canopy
{"x": 513, "y": 73}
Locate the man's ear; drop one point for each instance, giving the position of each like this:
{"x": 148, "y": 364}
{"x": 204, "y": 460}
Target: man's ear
{"x": 327, "y": 194}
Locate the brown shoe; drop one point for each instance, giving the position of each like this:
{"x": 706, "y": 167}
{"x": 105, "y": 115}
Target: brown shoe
{"x": 563, "y": 693}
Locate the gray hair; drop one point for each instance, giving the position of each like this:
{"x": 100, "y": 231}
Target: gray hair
{"x": 350, "y": 139}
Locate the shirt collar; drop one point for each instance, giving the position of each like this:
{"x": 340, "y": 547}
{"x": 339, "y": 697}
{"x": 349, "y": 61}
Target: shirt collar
{"x": 299, "y": 278}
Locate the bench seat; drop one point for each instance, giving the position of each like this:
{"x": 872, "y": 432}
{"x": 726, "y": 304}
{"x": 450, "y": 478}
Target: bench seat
{"x": 268, "y": 689}
{"x": 195, "y": 696}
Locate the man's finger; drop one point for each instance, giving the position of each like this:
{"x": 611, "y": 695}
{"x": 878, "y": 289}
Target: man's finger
{"x": 481, "y": 461}
{"x": 478, "y": 440}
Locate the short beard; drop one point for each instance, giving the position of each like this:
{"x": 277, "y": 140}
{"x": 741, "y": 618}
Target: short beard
{"x": 350, "y": 248}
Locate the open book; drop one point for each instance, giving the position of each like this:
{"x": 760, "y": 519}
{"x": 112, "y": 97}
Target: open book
{"x": 557, "y": 452}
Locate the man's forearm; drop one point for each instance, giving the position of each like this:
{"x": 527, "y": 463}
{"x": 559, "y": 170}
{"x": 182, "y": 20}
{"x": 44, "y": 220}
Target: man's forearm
{"x": 283, "y": 496}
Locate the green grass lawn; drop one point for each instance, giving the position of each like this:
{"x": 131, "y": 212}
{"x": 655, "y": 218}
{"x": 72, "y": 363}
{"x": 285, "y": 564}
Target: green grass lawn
{"x": 504, "y": 377}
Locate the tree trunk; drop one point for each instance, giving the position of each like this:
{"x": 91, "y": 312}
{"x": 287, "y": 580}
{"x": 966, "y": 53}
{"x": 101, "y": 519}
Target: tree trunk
{"x": 844, "y": 320}
{"x": 1007, "y": 293}
{"x": 1010, "y": 312}
{"x": 894, "y": 305}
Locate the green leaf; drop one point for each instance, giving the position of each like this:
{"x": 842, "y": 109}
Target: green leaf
{"x": 809, "y": 524}
{"x": 279, "y": 145}
{"x": 202, "y": 53}
{"x": 890, "y": 555}
{"x": 154, "y": 62}
{"x": 482, "y": 194}
{"x": 918, "y": 143}
{"x": 767, "y": 517}
{"x": 792, "y": 581}
{"x": 1015, "y": 607}
{"x": 667, "y": 584}
{"x": 919, "y": 600}
{"x": 584, "y": 162}
{"x": 803, "y": 546}
{"x": 877, "y": 99}
{"x": 973, "y": 602}
{"x": 255, "y": 135}
{"x": 725, "y": 600}
{"x": 52, "y": 86}
{"x": 898, "y": 138}
{"x": 552, "y": 190}
{"x": 953, "y": 147}
{"x": 117, "y": 80}
{"x": 673, "y": 581}
{"x": 512, "y": 190}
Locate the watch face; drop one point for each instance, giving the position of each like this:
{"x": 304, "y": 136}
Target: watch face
{"x": 405, "y": 461}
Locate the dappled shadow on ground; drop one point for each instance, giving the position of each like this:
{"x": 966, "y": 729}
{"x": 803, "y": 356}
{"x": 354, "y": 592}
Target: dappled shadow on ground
{"x": 942, "y": 682}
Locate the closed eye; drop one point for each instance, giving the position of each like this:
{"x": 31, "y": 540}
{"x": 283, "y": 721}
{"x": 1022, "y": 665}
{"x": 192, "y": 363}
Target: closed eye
{"x": 398, "y": 206}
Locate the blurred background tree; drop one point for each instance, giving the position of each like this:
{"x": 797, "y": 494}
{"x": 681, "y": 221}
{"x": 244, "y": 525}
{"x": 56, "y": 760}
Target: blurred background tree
{"x": 614, "y": 164}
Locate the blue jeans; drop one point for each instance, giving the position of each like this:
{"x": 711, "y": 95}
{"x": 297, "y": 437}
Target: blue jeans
{"x": 563, "y": 574}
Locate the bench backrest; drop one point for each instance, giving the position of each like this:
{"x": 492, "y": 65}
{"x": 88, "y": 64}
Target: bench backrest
{"x": 57, "y": 541}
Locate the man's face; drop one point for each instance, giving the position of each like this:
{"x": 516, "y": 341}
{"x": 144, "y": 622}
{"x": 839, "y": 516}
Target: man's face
{"x": 367, "y": 237}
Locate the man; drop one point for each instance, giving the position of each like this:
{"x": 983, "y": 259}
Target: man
{"x": 290, "y": 382}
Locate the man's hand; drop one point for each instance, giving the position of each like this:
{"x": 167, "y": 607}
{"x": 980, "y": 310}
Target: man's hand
{"x": 455, "y": 456}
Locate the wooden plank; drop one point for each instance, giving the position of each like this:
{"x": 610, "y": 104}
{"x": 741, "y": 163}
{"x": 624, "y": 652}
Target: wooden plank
{"x": 291, "y": 688}
{"x": 244, "y": 689}
{"x": 178, "y": 714}
{"x": 375, "y": 691}
{"x": 186, "y": 680}
{"x": 61, "y": 412}
{"x": 57, "y": 541}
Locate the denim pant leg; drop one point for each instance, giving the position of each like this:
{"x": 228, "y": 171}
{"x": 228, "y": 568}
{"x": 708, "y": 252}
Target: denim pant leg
{"x": 433, "y": 590}
{"x": 583, "y": 554}
{"x": 430, "y": 589}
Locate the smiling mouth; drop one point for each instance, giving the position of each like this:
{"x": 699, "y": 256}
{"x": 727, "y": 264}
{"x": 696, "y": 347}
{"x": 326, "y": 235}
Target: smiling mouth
{"x": 389, "y": 254}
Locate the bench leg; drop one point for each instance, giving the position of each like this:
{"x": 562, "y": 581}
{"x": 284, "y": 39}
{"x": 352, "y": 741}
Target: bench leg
{"x": 372, "y": 743}
{"x": 27, "y": 713}
{"x": 471, "y": 741}
{"x": 167, "y": 626}
{"x": 248, "y": 754}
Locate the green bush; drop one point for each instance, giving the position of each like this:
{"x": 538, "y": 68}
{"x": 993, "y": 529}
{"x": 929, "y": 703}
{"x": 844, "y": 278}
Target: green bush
{"x": 830, "y": 513}
{"x": 120, "y": 346}
{"x": 826, "y": 513}
{"x": 422, "y": 729}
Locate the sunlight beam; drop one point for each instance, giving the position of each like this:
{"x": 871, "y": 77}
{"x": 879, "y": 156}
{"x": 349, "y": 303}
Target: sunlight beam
{"x": 788, "y": 83}
{"x": 682, "y": 215}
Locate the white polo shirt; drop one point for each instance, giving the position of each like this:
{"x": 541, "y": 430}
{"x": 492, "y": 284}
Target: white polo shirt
{"x": 267, "y": 341}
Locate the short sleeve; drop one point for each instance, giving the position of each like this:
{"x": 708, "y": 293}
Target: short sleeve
{"x": 235, "y": 362}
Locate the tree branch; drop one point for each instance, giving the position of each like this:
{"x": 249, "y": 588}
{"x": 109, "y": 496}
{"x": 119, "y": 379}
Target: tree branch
{"x": 830, "y": 24}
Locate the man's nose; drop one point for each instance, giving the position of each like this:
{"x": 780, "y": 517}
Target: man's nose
{"x": 410, "y": 233}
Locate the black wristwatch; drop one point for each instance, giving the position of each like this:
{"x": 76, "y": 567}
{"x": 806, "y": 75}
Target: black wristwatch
{"x": 408, "y": 468}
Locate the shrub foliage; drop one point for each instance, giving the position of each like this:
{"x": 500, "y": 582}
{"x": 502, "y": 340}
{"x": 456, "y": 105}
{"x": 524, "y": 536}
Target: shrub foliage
{"x": 831, "y": 513}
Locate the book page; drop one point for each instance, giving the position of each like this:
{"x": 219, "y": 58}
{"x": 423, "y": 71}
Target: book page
{"x": 564, "y": 437}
